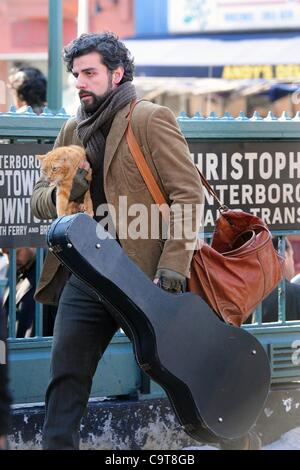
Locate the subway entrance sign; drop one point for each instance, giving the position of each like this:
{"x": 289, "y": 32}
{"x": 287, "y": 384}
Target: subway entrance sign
{"x": 261, "y": 177}
{"x": 19, "y": 171}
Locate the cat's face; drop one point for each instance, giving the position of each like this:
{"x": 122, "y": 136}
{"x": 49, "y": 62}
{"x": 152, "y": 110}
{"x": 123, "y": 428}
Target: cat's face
{"x": 55, "y": 165}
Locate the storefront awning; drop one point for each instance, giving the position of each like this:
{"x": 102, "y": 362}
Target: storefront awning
{"x": 243, "y": 56}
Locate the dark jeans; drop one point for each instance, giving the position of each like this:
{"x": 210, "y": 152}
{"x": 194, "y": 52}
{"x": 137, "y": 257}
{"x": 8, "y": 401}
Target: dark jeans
{"x": 83, "y": 329}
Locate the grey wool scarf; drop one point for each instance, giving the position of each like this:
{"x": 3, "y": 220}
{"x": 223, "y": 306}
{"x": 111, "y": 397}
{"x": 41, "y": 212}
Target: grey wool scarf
{"x": 93, "y": 129}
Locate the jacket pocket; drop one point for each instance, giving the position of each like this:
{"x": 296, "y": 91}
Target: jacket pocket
{"x": 132, "y": 176}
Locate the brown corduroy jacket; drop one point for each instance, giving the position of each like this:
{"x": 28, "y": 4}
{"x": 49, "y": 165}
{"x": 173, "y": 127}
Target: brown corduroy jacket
{"x": 168, "y": 156}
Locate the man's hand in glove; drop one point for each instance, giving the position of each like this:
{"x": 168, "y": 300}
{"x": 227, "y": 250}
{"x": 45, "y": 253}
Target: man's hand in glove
{"x": 80, "y": 184}
{"x": 170, "y": 281}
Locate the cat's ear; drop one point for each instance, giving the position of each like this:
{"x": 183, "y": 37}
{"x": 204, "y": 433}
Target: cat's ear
{"x": 40, "y": 157}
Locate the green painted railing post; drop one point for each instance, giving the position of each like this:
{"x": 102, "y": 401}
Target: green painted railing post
{"x": 54, "y": 92}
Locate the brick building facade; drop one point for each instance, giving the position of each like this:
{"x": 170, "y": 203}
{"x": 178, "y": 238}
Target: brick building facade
{"x": 24, "y": 30}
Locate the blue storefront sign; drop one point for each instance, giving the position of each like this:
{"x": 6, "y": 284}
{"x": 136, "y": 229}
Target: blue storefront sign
{"x": 192, "y": 16}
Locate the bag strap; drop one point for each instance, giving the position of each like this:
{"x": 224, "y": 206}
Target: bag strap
{"x": 144, "y": 168}
{"x": 147, "y": 175}
{"x": 210, "y": 190}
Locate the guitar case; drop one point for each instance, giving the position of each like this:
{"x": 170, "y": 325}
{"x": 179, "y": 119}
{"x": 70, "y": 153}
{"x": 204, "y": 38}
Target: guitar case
{"x": 216, "y": 376}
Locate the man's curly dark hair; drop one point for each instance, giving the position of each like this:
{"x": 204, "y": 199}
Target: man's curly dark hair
{"x": 113, "y": 52}
{"x": 30, "y": 85}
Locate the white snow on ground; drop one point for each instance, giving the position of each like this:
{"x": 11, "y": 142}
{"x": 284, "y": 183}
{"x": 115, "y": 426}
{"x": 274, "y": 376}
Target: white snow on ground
{"x": 288, "y": 441}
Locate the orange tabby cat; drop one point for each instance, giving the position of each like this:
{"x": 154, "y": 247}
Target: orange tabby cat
{"x": 59, "y": 166}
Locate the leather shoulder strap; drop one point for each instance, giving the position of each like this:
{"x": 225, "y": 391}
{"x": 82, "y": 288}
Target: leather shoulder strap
{"x": 143, "y": 167}
{"x": 146, "y": 173}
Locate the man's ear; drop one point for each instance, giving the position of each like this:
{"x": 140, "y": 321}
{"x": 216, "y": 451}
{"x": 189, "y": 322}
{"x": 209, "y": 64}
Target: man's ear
{"x": 117, "y": 75}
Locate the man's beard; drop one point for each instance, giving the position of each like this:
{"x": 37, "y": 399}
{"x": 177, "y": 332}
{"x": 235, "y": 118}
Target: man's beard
{"x": 91, "y": 107}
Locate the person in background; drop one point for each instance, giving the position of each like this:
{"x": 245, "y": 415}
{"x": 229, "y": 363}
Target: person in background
{"x": 5, "y": 398}
{"x": 292, "y": 291}
{"x": 29, "y": 88}
{"x": 25, "y": 303}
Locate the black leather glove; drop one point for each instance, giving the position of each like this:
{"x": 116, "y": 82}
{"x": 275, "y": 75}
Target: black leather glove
{"x": 171, "y": 281}
{"x": 80, "y": 185}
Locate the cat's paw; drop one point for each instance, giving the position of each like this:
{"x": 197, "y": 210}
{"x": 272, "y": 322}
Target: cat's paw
{"x": 86, "y": 210}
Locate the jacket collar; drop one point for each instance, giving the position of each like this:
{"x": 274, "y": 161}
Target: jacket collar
{"x": 115, "y": 136}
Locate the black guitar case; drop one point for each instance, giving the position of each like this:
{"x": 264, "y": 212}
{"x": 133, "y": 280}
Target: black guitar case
{"x": 216, "y": 376}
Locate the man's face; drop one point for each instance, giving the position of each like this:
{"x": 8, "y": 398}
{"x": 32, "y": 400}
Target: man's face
{"x": 93, "y": 79}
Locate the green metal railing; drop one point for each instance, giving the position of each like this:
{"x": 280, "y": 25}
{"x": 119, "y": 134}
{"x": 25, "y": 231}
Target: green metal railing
{"x": 29, "y": 357}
